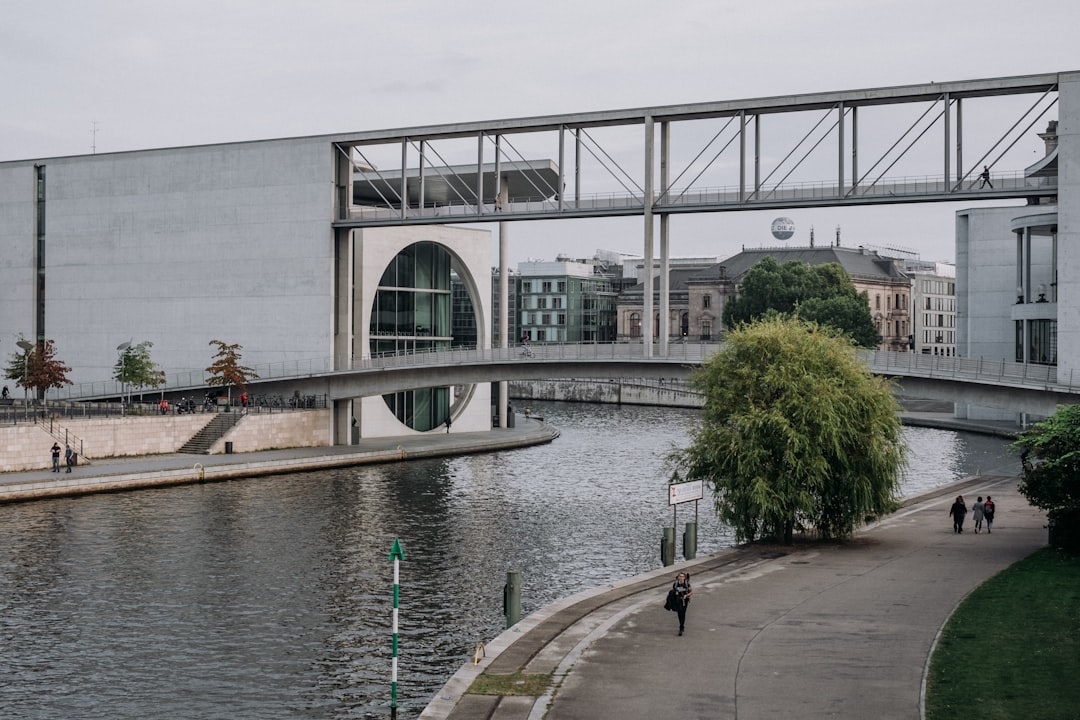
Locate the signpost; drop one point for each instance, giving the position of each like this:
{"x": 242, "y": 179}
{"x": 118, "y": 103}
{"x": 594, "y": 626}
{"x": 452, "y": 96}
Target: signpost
{"x": 397, "y": 556}
{"x": 680, "y": 493}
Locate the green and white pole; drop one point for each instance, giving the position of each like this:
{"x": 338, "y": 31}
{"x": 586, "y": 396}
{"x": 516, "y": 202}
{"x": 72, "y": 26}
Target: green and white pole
{"x": 397, "y": 556}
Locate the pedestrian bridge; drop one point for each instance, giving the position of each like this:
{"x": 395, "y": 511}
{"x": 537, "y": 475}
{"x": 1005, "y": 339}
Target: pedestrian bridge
{"x": 1018, "y": 387}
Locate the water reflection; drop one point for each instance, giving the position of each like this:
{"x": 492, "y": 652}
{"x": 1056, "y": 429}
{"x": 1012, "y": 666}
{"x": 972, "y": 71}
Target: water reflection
{"x": 271, "y": 597}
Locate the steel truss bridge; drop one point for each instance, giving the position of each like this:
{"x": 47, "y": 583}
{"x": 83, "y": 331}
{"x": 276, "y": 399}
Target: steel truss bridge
{"x": 709, "y": 157}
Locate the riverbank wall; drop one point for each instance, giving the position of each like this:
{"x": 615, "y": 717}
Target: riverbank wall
{"x": 25, "y": 446}
{"x": 632, "y": 391}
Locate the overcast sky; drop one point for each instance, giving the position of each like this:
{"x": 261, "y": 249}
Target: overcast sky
{"x": 111, "y": 75}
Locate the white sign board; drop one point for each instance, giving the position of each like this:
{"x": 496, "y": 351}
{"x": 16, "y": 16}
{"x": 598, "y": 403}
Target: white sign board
{"x": 684, "y": 492}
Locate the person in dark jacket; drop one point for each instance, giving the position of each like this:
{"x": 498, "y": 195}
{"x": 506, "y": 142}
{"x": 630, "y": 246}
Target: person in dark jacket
{"x": 683, "y": 591}
{"x": 958, "y": 511}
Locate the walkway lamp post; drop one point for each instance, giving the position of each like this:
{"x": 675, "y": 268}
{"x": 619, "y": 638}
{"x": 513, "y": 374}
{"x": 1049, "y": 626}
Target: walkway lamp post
{"x": 26, "y": 346}
{"x": 122, "y": 350}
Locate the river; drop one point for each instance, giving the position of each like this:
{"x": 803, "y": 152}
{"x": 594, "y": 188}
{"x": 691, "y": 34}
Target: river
{"x": 271, "y": 597}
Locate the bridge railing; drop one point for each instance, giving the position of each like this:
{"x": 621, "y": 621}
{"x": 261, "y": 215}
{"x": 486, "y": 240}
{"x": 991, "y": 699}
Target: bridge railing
{"x": 971, "y": 369}
{"x": 691, "y": 352}
{"x": 885, "y": 188}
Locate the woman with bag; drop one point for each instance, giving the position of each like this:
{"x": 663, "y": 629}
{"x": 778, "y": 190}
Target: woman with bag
{"x": 679, "y": 598}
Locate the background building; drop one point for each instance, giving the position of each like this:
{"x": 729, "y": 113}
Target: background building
{"x": 565, "y": 301}
{"x": 933, "y": 302}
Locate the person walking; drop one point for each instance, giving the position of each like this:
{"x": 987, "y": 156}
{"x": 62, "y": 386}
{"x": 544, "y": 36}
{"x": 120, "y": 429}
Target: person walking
{"x": 958, "y": 511}
{"x": 69, "y": 457}
{"x": 988, "y": 513}
{"x": 986, "y": 178}
{"x": 447, "y": 424}
{"x": 977, "y": 512}
{"x": 56, "y": 457}
{"x": 682, "y": 592}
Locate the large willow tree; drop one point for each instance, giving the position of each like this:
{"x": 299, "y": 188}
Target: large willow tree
{"x": 796, "y": 433}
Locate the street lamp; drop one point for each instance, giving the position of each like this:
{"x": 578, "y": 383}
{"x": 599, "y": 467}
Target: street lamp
{"x": 122, "y": 350}
{"x": 26, "y": 346}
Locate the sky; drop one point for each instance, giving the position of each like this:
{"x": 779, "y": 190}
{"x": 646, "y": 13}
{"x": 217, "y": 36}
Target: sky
{"x": 82, "y": 76}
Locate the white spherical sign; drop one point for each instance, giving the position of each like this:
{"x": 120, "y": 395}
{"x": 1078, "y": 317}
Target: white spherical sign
{"x": 783, "y": 228}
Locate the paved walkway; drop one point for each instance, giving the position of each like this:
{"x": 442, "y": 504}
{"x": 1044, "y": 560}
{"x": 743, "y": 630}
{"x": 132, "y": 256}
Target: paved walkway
{"x": 128, "y": 473}
{"x": 806, "y": 631}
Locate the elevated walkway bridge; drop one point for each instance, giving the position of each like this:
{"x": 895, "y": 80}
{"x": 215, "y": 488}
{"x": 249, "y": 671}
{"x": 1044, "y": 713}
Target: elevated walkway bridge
{"x": 1017, "y": 387}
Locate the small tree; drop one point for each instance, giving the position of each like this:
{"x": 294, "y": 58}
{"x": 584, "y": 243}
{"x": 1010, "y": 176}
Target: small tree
{"x": 16, "y": 367}
{"x": 135, "y": 368}
{"x": 43, "y": 370}
{"x": 1050, "y": 455}
{"x": 795, "y": 432}
{"x": 227, "y": 369}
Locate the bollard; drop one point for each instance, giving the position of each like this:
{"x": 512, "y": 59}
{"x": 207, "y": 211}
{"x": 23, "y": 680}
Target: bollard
{"x": 667, "y": 547}
{"x": 512, "y": 598}
{"x": 689, "y": 541}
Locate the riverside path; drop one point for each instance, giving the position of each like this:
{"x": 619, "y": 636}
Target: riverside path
{"x": 808, "y": 631}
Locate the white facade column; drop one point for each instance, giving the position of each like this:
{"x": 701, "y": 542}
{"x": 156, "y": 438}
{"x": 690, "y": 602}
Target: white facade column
{"x": 665, "y": 282}
{"x": 1068, "y": 241}
{"x": 504, "y": 290}
{"x": 647, "y": 255}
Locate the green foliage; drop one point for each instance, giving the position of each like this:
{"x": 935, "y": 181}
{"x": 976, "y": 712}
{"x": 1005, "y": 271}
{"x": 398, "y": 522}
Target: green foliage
{"x": 1050, "y": 454}
{"x": 795, "y": 433}
{"x": 135, "y": 368}
{"x": 226, "y": 369}
{"x": 16, "y": 366}
{"x": 822, "y": 294}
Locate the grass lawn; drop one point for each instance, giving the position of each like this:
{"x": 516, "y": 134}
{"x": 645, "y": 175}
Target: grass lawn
{"x": 1012, "y": 648}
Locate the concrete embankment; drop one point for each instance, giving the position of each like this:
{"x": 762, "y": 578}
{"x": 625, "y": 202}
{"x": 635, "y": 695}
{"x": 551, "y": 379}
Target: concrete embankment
{"x": 115, "y": 474}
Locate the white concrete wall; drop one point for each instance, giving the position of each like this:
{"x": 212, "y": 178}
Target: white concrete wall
{"x": 178, "y": 247}
{"x": 26, "y": 447}
{"x": 985, "y": 283}
{"x": 17, "y": 239}
{"x": 1069, "y": 226}
{"x": 272, "y": 431}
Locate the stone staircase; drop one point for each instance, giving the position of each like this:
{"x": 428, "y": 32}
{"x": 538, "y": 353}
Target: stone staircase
{"x": 201, "y": 442}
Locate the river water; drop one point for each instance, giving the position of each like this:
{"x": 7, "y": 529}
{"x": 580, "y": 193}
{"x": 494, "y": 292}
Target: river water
{"x": 271, "y": 597}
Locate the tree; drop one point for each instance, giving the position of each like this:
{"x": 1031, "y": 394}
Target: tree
{"x": 795, "y": 433}
{"x": 1050, "y": 456}
{"x": 16, "y": 367}
{"x": 43, "y": 370}
{"x": 823, "y": 294}
{"x": 227, "y": 369}
{"x": 135, "y": 368}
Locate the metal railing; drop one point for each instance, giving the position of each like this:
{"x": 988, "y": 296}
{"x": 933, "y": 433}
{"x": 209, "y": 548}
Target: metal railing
{"x": 980, "y": 370}
{"x": 1007, "y": 183}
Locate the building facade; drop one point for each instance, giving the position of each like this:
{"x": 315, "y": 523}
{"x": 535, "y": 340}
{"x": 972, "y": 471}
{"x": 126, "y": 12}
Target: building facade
{"x": 564, "y": 301}
{"x": 933, "y": 302}
{"x": 230, "y": 242}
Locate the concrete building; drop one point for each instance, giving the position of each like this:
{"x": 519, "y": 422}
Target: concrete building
{"x": 232, "y": 242}
{"x": 1012, "y": 278}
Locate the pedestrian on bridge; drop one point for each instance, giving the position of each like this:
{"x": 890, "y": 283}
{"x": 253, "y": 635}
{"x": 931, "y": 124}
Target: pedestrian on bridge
{"x": 986, "y": 178}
